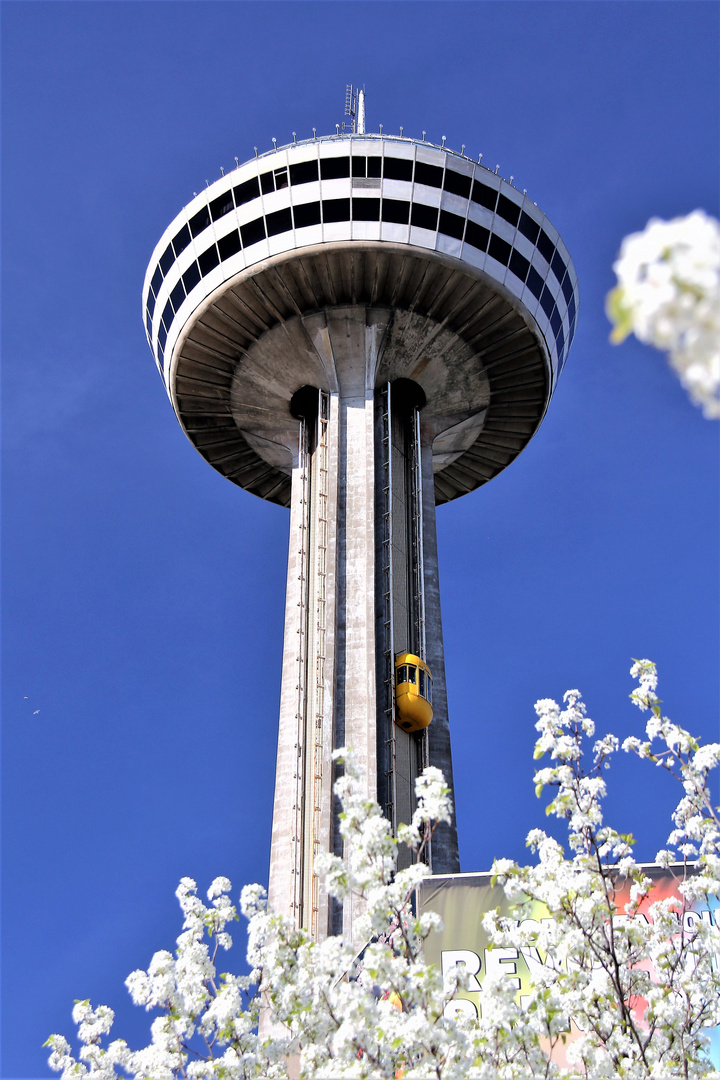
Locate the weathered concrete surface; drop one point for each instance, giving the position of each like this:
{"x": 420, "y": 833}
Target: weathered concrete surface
{"x": 474, "y": 350}
{"x": 282, "y": 886}
{"x": 347, "y": 345}
{"x": 445, "y": 857}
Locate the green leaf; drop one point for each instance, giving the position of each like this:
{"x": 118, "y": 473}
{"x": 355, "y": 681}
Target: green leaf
{"x": 619, "y": 314}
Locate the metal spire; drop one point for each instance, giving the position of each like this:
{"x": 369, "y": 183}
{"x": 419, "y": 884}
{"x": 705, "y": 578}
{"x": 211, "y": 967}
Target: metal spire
{"x": 355, "y": 109}
{"x": 360, "y": 126}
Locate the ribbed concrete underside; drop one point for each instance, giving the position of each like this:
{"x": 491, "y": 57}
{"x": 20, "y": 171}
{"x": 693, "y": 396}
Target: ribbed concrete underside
{"x": 449, "y": 294}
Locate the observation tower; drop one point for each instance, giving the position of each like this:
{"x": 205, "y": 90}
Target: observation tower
{"x": 359, "y": 327}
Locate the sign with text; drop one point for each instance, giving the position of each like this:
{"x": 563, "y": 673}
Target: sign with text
{"x": 461, "y": 901}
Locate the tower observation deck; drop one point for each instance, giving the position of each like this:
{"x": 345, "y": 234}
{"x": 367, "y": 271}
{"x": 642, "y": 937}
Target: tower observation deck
{"x": 358, "y": 327}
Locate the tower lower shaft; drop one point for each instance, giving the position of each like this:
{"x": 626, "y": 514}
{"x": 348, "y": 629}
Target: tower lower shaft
{"x": 362, "y": 587}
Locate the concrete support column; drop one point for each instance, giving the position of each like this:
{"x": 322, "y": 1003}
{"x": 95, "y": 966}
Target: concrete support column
{"x": 357, "y": 555}
{"x": 356, "y": 607}
{"x": 303, "y": 813}
{"x": 283, "y": 889}
{"x": 328, "y": 694}
{"x": 333, "y": 682}
{"x": 445, "y": 858}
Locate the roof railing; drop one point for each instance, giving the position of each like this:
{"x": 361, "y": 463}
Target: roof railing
{"x": 381, "y": 136}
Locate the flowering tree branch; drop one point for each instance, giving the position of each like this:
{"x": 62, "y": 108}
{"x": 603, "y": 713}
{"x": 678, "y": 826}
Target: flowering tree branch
{"x": 619, "y": 990}
{"x": 668, "y": 295}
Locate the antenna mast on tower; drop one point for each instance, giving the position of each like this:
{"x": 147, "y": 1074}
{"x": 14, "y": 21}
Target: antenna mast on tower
{"x": 355, "y": 108}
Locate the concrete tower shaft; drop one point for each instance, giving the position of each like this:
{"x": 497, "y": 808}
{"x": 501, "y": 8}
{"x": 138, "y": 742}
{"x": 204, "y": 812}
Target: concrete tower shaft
{"x": 358, "y": 328}
{"x": 362, "y": 586}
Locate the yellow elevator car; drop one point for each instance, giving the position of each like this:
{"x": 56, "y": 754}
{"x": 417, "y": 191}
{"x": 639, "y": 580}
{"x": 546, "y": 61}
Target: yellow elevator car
{"x": 413, "y": 692}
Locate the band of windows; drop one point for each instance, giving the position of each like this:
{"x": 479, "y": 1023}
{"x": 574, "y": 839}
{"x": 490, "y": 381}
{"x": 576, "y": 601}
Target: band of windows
{"x": 359, "y": 166}
{"x": 369, "y": 209}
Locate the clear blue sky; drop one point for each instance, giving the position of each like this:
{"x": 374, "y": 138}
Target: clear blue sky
{"x": 143, "y": 594}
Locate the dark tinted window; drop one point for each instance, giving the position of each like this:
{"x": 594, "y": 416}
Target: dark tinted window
{"x": 279, "y": 222}
{"x": 200, "y": 221}
{"x": 181, "y": 240}
{"x": 148, "y": 323}
{"x": 431, "y": 175}
{"x": 398, "y": 168}
{"x": 374, "y": 166}
{"x": 306, "y": 214}
{"x": 177, "y": 295}
{"x": 366, "y": 209}
{"x": 477, "y": 236}
{"x": 555, "y": 321}
{"x": 229, "y": 245}
{"x": 424, "y": 217}
{"x": 359, "y": 165}
{"x": 457, "y": 183}
{"x": 156, "y": 280}
{"x": 557, "y": 265}
{"x": 222, "y": 205}
{"x": 545, "y": 245}
{"x": 395, "y": 210}
{"x": 402, "y": 674}
{"x": 546, "y": 301}
{"x": 150, "y": 304}
{"x": 571, "y": 308}
{"x": 412, "y": 673}
{"x": 281, "y": 179}
{"x": 191, "y": 277}
{"x": 534, "y": 282}
{"x": 336, "y": 209}
{"x": 451, "y": 224}
{"x": 162, "y": 338}
{"x": 484, "y": 195}
{"x": 303, "y": 172}
{"x": 168, "y": 258}
{"x": 252, "y": 232}
{"x": 208, "y": 260}
{"x": 508, "y": 210}
{"x": 332, "y": 168}
{"x": 567, "y": 288}
{"x": 519, "y": 265}
{"x": 266, "y": 183}
{"x": 167, "y": 317}
{"x": 421, "y": 682}
{"x": 499, "y": 249}
{"x": 560, "y": 341}
{"x": 528, "y": 227}
{"x": 246, "y": 192}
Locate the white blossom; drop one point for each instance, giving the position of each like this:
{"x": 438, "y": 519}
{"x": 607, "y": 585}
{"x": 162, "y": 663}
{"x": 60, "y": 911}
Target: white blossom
{"x": 668, "y": 295}
{"x": 387, "y": 1014}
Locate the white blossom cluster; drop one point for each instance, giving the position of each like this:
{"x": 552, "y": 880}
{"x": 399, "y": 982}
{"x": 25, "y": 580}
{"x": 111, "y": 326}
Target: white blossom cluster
{"x": 668, "y": 295}
{"x": 639, "y": 993}
{"x": 641, "y": 989}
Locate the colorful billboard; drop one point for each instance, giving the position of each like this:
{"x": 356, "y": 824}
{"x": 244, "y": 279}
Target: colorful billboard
{"x": 461, "y": 901}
